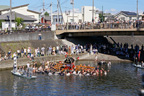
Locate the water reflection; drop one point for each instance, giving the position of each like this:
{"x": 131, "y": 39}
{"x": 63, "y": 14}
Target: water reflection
{"x": 15, "y": 87}
{"x": 121, "y": 80}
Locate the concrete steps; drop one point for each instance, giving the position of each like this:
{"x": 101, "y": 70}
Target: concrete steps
{"x": 139, "y": 40}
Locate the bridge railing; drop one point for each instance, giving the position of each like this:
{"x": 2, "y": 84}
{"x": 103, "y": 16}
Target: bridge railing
{"x": 115, "y": 25}
{"x": 4, "y": 32}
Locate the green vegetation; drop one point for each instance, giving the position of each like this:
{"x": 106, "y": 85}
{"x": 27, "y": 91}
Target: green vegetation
{"x": 46, "y": 14}
{"x": 18, "y": 20}
{"x": 14, "y": 46}
{"x": 24, "y": 25}
{"x": 102, "y": 18}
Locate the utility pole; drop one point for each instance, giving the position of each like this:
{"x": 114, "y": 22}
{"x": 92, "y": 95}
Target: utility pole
{"x": 10, "y": 15}
{"x": 43, "y": 10}
{"x": 51, "y": 14}
{"x": 137, "y": 16}
{"x": 57, "y": 11}
{"x": 43, "y": 5}
{"x": 61, "y": 13}
{"x": 137, "y": 11}
{"x": 93, "y": 14}
{"x": 102, "y": 14}
{"x": 73, "y": 11}
{"x": 72, "y": 2}
{"x": 67, "y": 13}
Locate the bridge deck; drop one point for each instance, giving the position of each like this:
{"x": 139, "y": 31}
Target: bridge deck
{"x": 100, "y": 31}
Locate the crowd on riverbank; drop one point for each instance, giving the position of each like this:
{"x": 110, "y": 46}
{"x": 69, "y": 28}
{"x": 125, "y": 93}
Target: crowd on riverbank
{"x": 117, "y": 49}
{"x": 120, "y": 50}
{"x": 123, "y": 51}
{"x": 43, "y": 51}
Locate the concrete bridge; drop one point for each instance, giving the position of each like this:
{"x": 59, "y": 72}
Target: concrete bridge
{"x": 101, "y": 32}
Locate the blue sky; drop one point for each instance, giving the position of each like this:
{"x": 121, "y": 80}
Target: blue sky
{"x": 112, "y": 6}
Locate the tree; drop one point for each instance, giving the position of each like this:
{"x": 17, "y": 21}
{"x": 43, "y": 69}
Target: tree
{"x": 18, "y": 20}
{"x": 46, "y": 14}
{"x": 102, "y": 18}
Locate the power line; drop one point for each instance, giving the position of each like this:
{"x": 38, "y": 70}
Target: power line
{"x": 64, "y": 2}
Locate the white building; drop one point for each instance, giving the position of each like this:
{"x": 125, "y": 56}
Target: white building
{"x": 87, "y": 14}
{"x": 5, "y": 25}
{"x": 67, "y": 18}
{"x": 23, "y": 9}
{"x": 84, "y": 16}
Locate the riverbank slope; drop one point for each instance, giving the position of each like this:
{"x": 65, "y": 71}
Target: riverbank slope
{"x": 101, "y": 56}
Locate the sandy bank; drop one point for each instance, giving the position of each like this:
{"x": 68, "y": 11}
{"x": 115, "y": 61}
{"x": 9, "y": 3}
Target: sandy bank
{"x": 8, "y": 64}
{"x": 101, "y": 56}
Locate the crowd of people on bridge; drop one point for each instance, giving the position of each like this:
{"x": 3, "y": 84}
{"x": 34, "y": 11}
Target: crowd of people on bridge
{"x": 112, "y": 24}
{"x": 109, "y": 24}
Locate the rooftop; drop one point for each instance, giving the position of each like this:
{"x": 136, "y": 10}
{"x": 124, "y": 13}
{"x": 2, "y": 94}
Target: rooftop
{"x": 6, "y": 8}
{"x": 3, "y": 7}
{"x": 129, "y": 13}
{"x": 14, "y": 15}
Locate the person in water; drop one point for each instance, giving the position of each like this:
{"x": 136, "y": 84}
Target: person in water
{"x": 23, "y": 70}
{"x": 30, "y": 71}
{"x": 142, "y": 64}
{"x": 136, "y": 61}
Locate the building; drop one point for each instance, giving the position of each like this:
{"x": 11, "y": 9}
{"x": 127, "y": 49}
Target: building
{"x": 46, "y": 20}
{"x": 64, "y": 18}
{"x": 87, "y": 14}
{"x": 143, "y": 16}
{"x": 23, "y": 10}
{"x": 84, "y": 16}
{"x": 126, "y": 15}
{"x": 6, "y": 18}
{"x": 109, "y": 17}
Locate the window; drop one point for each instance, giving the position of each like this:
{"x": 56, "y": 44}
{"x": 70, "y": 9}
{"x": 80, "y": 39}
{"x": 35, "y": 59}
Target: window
{"x": 71, "y": 20}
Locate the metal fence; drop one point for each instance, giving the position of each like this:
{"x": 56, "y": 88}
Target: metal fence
{"x": 104, "y": 25}
{"x": 81, "y": 26}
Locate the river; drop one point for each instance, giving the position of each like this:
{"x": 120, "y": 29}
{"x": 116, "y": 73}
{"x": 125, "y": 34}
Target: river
{"x": 122, "y": 80}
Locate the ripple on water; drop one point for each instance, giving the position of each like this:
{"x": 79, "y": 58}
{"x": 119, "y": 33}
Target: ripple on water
{"x": 122, "y": 80}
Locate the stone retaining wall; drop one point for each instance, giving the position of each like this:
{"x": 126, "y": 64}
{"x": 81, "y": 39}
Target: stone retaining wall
{"x": 26, "y": 36}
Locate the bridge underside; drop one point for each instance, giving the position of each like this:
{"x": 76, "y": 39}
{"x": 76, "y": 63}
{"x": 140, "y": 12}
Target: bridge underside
{"x": 104, "y": 32}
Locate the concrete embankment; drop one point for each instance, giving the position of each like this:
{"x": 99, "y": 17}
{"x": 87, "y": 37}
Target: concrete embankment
{"x": 15, "y": 45}
{"x": 26, "y": 36}
{"x": 131, "y": 40}
{"x": 8, "y": 64}
{"x": 101, "y": 56}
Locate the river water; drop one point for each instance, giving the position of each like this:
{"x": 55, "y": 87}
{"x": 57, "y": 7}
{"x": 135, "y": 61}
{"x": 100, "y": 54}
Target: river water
{"x": 122, "y": 80}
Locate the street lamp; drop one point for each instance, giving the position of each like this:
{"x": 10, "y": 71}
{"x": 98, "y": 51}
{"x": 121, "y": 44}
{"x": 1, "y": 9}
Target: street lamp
{"x": 72, "y": 2}
{"x": 137, "y": 16}
{"x": 137, "y": 10}
{"x": 93, "y": 14}
{"x": 67, "y": 13}
{"x": 10, "y": 15}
